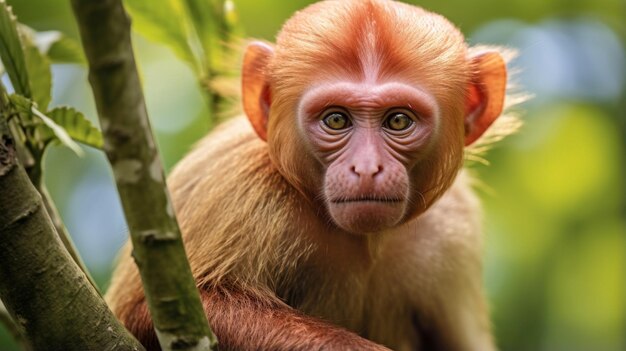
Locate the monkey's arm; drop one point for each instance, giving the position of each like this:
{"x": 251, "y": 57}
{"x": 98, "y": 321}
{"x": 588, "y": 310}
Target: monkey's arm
{"x": 245, "y": 321}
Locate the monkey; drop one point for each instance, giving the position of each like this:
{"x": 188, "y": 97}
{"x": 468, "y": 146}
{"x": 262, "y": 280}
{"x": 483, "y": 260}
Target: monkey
{"x": 335, "y": 213}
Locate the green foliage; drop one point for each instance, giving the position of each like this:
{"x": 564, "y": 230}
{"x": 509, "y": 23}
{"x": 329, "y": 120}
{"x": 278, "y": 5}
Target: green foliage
{"x": 65, "y": 50}
{"x": 200, "y": 32}
{"x": 166, "y": 23}
{"x": 39, "y": 75}
{"x": 54, "y": 45}
{"x": 58, "y": 132}
{"x": 59, "y": 48}
{"x": 215, "y": 23}
{"x": 202, "y": 15}
{"x": 556, "y": 233}
{"x": 77, "y": 126}
{"x": 21, "y": 106}
{"x": 24, "y": 55}
{"x": 11, "y": 51}
{"x": 39, "y": 130}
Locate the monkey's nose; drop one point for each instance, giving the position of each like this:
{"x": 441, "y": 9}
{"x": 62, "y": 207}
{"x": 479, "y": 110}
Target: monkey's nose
{"x": 368, "y": 170}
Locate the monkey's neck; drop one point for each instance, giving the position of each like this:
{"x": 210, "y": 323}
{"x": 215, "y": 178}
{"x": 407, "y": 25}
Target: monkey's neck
{"x": 350, "y": 251}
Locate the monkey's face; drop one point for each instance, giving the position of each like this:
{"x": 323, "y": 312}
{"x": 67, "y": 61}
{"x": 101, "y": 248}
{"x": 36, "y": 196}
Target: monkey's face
{"x": 385, "y": 96}
{"x": 368, "y": 137}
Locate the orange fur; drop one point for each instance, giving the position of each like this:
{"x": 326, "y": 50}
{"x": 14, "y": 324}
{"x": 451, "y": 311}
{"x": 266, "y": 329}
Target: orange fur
{"x": 275, "y": 272}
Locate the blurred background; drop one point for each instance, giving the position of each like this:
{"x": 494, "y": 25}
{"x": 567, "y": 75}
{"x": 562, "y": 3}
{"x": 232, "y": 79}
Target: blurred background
{"x": 554, "y": 194}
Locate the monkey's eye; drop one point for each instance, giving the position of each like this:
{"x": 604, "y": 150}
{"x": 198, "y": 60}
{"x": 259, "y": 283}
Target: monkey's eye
{"x": 336, "y": 121}
{"x": 398, "y": 121}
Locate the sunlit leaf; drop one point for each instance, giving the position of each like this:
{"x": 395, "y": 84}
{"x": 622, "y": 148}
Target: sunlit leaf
{"x": 53, "y": 44}
{"x": 11, "y": 51}
{"x": 216, "y": 24}
{"x": 38, "y": 68}
{"x": 205, "y": 17}
{"x": 59, "y": 132}
{"x": 39, "y": 75}
{"x": 59, "y": 48}
{"x": 77, "y": 126}
{"x": 164, "y": 22}
{"x": 66, "y": 50}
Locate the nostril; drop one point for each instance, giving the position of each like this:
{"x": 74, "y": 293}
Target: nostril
{"x": 353, "y": 169}
{"x": 372, "y": 172}
{"x": 378, "y": 171}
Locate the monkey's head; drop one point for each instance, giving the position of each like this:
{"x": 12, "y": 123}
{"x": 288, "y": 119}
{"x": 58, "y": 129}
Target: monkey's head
{"x": 367, "y": 105}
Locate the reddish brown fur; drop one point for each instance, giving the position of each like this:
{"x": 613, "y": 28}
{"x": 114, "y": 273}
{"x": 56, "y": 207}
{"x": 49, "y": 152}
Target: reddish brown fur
{"x": 274, "y": 271}
{"x": 233, "y": 313}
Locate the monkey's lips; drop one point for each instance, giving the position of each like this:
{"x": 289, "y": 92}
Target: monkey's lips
{"x": 367, "y": 214}
{"x": 367, "y": 199}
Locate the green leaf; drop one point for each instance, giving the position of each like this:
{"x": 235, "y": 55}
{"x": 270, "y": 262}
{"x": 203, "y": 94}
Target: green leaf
{"x": 205, "y": 17}
{"x": 39, "y": 75}
{"x": 216, "y": 24}
{"x": 21, "y": 105}
{"x": 11, "y": 51}
{"x": 58, "y": 47}
{"x": 164, "y": 22}
{"x": 77, "y": 126}
{"x": 38, "y": 68}
{"x": 65, "y": 124}
{"x": 60, "y": 133}
{"x": 66, "y": 50}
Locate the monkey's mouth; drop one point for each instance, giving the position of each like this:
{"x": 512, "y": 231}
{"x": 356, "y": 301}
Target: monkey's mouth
{"x": 375, "y": 199}
{"x": 367, "y": 214}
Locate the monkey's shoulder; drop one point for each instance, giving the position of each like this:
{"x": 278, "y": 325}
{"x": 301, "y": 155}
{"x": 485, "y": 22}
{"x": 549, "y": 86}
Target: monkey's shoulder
{"x": 229, "y": 175}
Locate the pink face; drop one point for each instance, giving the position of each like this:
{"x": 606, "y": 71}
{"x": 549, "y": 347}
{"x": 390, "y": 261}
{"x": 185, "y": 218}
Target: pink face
{"x": 368, "y": 136}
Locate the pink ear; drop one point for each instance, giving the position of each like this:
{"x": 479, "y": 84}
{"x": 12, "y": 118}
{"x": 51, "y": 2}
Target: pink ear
{"x": 256, "y": 95}
{"x": 487, "y": 90}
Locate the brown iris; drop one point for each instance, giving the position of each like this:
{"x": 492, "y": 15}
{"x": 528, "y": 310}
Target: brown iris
{"x": 336, "y": 121}
{"x": 398, "y": 121}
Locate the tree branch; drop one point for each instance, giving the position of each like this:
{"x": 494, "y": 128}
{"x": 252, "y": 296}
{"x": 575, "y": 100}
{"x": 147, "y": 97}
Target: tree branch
{"x": 64, "y": 235}
{"x": 45, "y": 292}
{"x": 158, "y": 250}
{"x": 13, "y": 328}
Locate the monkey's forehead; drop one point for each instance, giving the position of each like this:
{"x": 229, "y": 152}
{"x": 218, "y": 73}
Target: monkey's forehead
{"x": 365, "y": 24}
{"x": 368, "y": 38}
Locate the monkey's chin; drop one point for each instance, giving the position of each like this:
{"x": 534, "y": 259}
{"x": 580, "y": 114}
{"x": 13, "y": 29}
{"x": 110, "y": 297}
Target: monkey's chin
{"x": 363, "y": 217}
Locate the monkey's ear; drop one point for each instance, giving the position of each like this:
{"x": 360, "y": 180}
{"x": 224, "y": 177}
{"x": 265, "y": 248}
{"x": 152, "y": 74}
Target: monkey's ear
{"x": 485, "y": 100}
{"x": 256, "y": 95}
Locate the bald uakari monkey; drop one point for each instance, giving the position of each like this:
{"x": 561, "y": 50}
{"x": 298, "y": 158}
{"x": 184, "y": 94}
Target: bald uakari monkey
{"x": 335, "y": 215}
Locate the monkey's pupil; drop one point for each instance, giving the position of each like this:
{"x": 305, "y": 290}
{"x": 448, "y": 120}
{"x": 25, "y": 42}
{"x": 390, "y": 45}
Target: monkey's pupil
{"x": 336, "y": 121}
{"x": 399, "y": 121}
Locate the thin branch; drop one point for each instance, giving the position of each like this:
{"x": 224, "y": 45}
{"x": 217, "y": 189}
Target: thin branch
{"x": 158, "y": 250}
{"x": 64, "y": 235}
